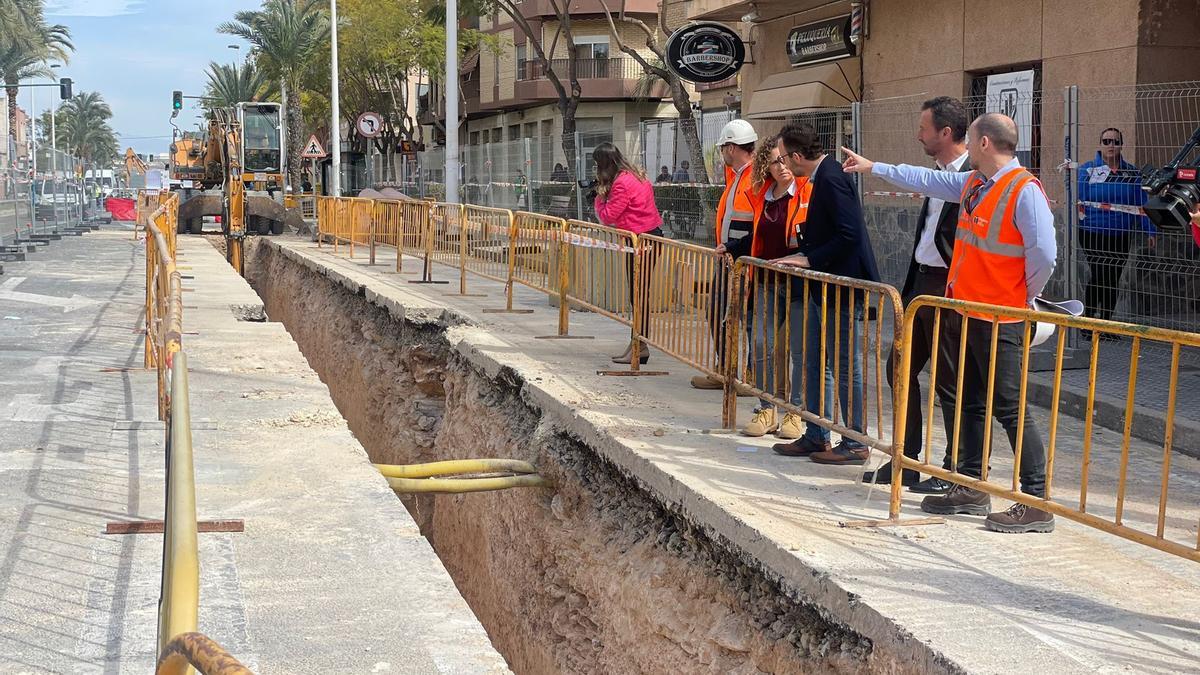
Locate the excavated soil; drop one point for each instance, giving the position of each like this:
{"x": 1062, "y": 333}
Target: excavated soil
{"x": 593, "y": 576}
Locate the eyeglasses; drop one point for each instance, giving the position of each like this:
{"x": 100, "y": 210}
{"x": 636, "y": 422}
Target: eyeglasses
{"x": 1111, "y": 141}
{"x": 777, "y": 160}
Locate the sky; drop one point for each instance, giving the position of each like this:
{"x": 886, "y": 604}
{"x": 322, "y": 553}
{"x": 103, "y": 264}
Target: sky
{"x": 136, "y": 52}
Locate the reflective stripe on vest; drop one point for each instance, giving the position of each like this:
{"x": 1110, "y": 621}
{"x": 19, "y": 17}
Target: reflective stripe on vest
{"x": 988, "y": 264}
{"x": 735, "y": 202}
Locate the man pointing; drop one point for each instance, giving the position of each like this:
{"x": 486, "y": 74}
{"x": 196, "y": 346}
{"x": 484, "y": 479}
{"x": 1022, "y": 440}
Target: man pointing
{"x": 1004, "y": 254}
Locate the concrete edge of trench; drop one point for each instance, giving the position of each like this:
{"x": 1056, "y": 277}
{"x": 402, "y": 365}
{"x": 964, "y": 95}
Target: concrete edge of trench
{"x": 724, "y": 527}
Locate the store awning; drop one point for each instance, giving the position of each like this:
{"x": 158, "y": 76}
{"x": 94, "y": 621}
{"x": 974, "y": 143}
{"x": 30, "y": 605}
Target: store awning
{"x": 836, "y": 84}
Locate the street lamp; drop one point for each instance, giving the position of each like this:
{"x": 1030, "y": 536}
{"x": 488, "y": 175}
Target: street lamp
{"x": 335, "y": 128}
{"x": 54, "y": 133}
{"x": 451, "y": 101}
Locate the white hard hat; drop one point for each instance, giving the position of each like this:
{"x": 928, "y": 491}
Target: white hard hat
{"x": 737, "y": 131}
{"x": 1044, "y": 329}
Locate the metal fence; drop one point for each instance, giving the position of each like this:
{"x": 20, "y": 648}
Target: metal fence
{"x": 1130, "y": 277}
{"x": 1107, "y": 255}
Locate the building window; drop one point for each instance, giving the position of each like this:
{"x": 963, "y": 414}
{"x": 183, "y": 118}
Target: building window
{"x": 1019, "y": 100}
{"x": 591, "y": 56}
{"x": 522, "y": 59}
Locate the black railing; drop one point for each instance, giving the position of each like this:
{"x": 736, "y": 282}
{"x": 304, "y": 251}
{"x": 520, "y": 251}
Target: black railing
{"x": 585, "y": 69}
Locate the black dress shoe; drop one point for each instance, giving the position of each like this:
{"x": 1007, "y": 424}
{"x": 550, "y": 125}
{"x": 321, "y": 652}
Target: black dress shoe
{"x": 932, "y": 486}
{"x": 883, "y": 476}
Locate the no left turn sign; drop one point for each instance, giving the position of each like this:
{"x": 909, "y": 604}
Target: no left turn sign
{"x": 369, "y": 124}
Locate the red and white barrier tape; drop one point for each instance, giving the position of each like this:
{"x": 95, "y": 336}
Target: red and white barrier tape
{"x": 1119, "y": 208}
{"x": 588, "y": 242}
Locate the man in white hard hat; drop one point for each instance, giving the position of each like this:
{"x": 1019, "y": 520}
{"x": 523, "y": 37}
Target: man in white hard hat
{"x": 735, "y": 219}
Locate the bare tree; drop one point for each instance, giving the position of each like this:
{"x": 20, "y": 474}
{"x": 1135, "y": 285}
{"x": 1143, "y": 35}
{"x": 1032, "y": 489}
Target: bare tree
{"x": 569, "y": 92}
{"x": 680, "y": 97}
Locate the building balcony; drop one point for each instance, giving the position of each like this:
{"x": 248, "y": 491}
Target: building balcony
{"x": 612, "y": 78}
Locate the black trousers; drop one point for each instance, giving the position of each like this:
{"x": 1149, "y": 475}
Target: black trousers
{"x": 718, "y": 296}
{"x": 930, "y": 282}
{"x": 1005, "y": 408}
{"x": 648, "y": 261}
{"x": 1106, "y": 256}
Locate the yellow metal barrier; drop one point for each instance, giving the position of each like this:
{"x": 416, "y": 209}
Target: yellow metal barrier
{"x": 602, "y": 268}
{"x": 178, "y": 644}
{"x": 164, "y": 297}
{"x": 179, "y": 600}
{"x": 199, "y": 651}
{"x": 684, "y": 288}
{"x": 803, "y": 340}
{"x": 485, "y": 243}
{"x": 1105, "y": 512}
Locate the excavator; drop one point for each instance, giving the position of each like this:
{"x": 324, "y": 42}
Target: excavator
{"x": 133, "y": 164}
{"x": 235, "y": 171}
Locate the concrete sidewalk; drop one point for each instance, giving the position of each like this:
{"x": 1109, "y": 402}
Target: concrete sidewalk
{"x": 952, "y": 597}
{"x": 331, "y": 573}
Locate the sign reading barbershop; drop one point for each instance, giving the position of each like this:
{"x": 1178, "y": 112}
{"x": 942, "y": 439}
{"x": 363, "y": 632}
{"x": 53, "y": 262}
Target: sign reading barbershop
{"x": 820, "y": 41}
{"x": 705, "y": 52}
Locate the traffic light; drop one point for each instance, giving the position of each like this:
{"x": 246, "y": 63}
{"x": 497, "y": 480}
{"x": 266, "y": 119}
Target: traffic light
{"x": 177, "y": 100}
{"x": 64, "y": 88}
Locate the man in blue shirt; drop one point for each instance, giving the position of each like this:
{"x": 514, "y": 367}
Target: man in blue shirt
{"x": 1107, "y": 235}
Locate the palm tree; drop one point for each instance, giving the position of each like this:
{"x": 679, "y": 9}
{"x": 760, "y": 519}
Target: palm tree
{"x": 232, "y": 84}
{"x": 15, "y": 15}
{"x": 25, "y": 52}
{"x": 84, "y": 127}
{"x": 288, "y": 35}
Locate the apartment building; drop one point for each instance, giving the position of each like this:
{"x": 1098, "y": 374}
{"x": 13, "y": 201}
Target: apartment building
{"x": 511, "y": 105}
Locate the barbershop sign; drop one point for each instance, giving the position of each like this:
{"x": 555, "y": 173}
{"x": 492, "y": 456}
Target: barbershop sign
{"x": 820, "y": 41}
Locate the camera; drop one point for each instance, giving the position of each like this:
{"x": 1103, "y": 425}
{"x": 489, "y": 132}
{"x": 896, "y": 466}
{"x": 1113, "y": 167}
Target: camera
{"x": 587, "y": 184}
{"x": 1174, "y": 189}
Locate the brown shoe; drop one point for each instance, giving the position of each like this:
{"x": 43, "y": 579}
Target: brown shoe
{"x": 1020, "y": 518}
{"x": 710, "y": 382}
{"x": 960, "y": 499}
{"x": 801, "y": 447}
{"x": 707, "y": 382}
{"x": 842, "y": 455}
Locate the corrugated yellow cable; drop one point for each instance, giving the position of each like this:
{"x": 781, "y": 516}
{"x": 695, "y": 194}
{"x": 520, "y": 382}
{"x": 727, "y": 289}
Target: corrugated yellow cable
{"x": 458, "y": 485}
{"x": 455, "y": 466}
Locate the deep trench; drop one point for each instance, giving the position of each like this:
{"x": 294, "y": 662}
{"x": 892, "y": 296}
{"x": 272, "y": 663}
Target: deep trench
{"x": 592, "y": 576}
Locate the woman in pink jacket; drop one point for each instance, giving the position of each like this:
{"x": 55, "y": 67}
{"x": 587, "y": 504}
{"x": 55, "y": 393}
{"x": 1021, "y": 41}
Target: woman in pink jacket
{"x": 625, "y": 200}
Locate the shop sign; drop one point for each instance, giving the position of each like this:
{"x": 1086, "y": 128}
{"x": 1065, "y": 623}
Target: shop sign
{"x": 705, "y": 52}
{"x": 820, "y": 41}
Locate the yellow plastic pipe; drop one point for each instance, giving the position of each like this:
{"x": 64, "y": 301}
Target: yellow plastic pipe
{"x": 455, "y": 466}
{"x": 460, "y": 485}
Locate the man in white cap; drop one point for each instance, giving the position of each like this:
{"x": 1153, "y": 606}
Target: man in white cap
{"x": 735, "y": 219}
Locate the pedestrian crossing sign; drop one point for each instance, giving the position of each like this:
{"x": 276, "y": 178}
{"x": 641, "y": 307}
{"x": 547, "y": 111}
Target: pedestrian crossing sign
{"x": 313, "y": 149}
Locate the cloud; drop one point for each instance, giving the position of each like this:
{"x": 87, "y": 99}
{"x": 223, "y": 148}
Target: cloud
{"x": 93, "y": 7}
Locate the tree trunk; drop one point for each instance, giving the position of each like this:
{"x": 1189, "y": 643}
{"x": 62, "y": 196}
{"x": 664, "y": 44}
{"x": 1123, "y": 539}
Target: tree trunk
{"x": 11, "y": 92}
{"x": 568, "y": 137}
{"x": 294, "y": 128}
{"x": 687, "y": 124}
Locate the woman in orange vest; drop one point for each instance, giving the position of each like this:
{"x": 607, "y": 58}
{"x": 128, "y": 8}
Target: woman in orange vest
{"x": 781, "y": 204}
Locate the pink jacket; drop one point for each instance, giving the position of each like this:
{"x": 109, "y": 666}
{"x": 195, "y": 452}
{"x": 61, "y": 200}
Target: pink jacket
{"x": 630, "y": 205}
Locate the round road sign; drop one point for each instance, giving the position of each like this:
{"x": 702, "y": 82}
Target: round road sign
{"x": 369, "y": 124}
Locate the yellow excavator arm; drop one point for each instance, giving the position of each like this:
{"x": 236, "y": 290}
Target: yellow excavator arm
{"x": 133, "y": 163}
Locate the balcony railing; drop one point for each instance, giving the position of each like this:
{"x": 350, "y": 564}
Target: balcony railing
{"x": 585, "y": 69}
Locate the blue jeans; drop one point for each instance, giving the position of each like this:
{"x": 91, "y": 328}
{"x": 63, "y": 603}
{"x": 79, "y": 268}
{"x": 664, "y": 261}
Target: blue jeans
{"x": 850, "y": 370}
{"x": 764, "y": 324}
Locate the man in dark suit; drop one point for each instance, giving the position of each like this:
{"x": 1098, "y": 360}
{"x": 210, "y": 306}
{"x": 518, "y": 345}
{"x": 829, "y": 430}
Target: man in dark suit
{"x": 833, "y": 240}
{"x": 942, "y": 133}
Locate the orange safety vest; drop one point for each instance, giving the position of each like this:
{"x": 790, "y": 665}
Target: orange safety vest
{"x": 797, "y": 214}
{"x": 988, "y": 264}
{"x": 737, "y": 196}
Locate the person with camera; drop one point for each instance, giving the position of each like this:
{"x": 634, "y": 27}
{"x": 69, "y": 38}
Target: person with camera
{"x": 624, "y": 199}
{"x": 1107, "y": 235}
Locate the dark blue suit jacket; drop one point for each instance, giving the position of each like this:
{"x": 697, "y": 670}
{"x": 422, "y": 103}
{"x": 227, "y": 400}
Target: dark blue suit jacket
{"x": 835, "y": 236}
